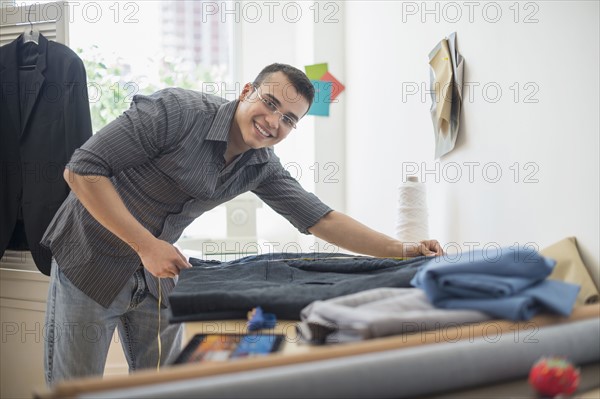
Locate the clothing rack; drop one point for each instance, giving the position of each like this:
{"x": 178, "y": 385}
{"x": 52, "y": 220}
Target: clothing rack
{"x": 49, "y": 19}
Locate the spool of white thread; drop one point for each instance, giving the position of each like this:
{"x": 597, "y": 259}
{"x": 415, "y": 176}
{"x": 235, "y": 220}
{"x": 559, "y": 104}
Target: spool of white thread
{"x": 412, "y": 223}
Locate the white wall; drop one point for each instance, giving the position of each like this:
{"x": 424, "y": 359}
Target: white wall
{"x": 387, "y": 44}
{"x": 547, "y": 52}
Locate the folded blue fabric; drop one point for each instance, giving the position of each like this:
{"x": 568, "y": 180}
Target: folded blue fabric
{"x": 473, "y": 285}
{"x": 504, "y": 282}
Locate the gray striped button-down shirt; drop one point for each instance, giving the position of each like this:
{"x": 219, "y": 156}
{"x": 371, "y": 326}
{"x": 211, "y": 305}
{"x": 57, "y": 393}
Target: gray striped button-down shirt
{"x": 165, "y": 158}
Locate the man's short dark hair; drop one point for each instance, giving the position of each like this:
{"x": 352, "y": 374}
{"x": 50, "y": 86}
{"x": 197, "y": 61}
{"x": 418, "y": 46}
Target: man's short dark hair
{"x": 297, "y": 78}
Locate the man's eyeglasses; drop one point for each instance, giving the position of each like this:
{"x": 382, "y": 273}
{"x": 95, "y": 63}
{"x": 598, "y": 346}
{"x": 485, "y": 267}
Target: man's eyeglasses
{"x": 287, "y": 121}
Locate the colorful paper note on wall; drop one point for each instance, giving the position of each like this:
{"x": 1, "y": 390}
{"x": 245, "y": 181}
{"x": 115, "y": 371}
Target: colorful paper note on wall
{"x": 315, "y": 72}
{"x": 320, "y": 105}
{"x": 327, "y": 88}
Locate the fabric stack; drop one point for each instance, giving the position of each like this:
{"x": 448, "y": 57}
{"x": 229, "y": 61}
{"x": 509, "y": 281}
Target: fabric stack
{"x": 507, "y": 284}
{"x": 341, "y": 297}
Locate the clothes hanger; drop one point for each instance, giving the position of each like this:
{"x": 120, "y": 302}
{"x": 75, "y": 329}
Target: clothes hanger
{"x": 29, "y": 36}
{"x": 33, "y": 35}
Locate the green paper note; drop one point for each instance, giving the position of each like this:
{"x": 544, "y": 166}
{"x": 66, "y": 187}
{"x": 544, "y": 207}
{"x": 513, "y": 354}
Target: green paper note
{"x": 316, "y": 71}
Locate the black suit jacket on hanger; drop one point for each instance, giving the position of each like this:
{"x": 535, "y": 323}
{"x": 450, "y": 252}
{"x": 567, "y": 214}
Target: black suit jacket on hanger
{"x": 37, "y": 139}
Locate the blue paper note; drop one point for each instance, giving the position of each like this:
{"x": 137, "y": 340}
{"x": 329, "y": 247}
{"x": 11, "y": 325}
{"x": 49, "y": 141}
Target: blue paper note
{"x": 320, "y": 105}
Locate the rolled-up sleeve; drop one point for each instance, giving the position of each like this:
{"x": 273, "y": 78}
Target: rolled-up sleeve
{"x": 150, "y": 126}
{"x": 287, "y": 197}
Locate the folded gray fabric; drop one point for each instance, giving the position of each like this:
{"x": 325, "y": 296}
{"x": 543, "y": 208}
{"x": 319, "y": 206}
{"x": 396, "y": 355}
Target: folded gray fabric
{"x": 376, "y": 313}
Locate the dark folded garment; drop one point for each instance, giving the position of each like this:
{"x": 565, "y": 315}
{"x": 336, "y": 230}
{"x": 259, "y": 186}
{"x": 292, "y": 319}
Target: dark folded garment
{"x": 280, "y": 283}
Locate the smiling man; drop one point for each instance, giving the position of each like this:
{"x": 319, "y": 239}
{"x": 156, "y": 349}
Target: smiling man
{"x": 140, "y": 181}
{"x": 252, "y": 128}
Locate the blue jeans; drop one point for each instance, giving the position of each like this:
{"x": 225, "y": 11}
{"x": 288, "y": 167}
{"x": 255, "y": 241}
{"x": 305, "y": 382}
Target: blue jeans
{"x": 79, "y": 330}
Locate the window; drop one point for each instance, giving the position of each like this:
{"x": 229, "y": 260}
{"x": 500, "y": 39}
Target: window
{"x": 127, "y": 50}
{"x": 139, "y": 47}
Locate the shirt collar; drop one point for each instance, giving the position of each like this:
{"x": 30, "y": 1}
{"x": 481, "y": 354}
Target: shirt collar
{"x": 219, "y": 131}
{"x": 220, "y": 126}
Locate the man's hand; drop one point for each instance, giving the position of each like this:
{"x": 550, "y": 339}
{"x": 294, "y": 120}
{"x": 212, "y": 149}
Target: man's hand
{"x": 162, "y": 259}
{"x": 100, "y": 198}
{"x": 426, "y": 247}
